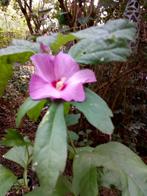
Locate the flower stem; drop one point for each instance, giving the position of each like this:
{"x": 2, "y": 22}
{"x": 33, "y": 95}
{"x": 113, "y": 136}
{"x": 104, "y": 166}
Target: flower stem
{"x": 25, "y": 173}
{"x": 25, "y": 177}
{"x": 72, "y": 144}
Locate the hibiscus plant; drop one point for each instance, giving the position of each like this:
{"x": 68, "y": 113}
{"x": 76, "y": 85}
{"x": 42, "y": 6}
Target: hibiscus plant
{"x": 57, "y": 86}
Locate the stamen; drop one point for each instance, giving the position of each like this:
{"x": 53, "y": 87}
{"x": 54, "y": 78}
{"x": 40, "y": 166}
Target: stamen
{"x": 59, "y": 85}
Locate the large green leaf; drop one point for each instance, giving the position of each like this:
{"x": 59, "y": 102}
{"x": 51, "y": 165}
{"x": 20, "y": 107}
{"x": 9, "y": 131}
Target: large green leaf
{"x": 129, "y": 167}
{"x": 50, "y": 150}
{"x": 21, "y": 47}
{"x": 28, "y": 45}
{"x": 120, "y": 28}
{"x": 9, "y": 55}
{"x": 85, "y": 178}
{"x": 19, "y": 154}
{"x": 63, "y": 187}
{"x": 122, "y": 168}
{"x": 37, "y": 192}
{"x": 29, "y": 106}
{"x": 5, "y": 74}
{"x": 7, "y": 179}
{"x": 96, "y": 111}
{"x": 19, "y": 52}
{"x": 100, "y": 51}
{"x": 103, "y": 44}
{"x": 13, "y": 54}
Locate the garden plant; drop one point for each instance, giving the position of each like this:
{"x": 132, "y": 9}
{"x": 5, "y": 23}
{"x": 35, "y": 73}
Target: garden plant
{"x": 61, "y": 87}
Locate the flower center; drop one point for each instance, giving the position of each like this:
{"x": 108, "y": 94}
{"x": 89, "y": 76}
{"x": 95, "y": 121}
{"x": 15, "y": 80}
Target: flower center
{"x": 59, "y": 84}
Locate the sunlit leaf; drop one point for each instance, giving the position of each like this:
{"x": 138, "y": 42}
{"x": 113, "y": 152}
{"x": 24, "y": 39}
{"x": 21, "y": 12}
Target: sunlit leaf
{"x": 19, "y": 51}
{"x": 60, "y": 41}
{"x": 5, "y": 74}
{"x": 19, "y": 48}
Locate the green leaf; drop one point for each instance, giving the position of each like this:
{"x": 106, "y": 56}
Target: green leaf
{"x": 99, "y": 51}
{"x": 110, "y": 178}
{"x": 50, "y": 151}
{"x": 66, "y": 107}
{"x": 7, "y": 179}
{"x": 131, "y": 170}
{"x": 19, "y": 154}
{"x": 37, "y": 192}
{"x": 28, "y": 105}
{"x": 60, "y": 41}
{"x": 7, "y": 57}
{"x": 19, "y": 51}
{"x": 122, "y": 168}
{"x": 14, "y": 138}
{"x": 96, "y": 112}
{"x": 72, "y": 119}
{"x": 27, "y": 45}
{"x": 63, "y": 187}
{"x": 120, "y": 28}
{"x": 5, "y": 75}
{"x": 85, "y": 178}
{"x": 20, "y": 47}
{"x": 13, "y": 54}
{"x": 34, "y": 113}
{"x": 104, "y": 44}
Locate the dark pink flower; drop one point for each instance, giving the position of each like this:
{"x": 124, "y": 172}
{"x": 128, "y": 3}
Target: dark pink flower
{"x": 58, "y": 77}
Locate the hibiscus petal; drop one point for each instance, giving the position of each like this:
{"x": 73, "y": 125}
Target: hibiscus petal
{"x": 82, "y": 76}
{"x": 73, "y": 93}
{"x": 65, "y": 66}
{"x": 44, "y": 64}
{"x": 40, "y": 89}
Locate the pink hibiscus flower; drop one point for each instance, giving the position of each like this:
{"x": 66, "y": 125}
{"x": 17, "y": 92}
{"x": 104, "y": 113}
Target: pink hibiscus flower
{"x": 58, "y": 77}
